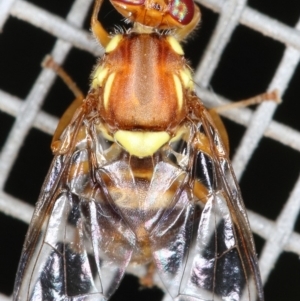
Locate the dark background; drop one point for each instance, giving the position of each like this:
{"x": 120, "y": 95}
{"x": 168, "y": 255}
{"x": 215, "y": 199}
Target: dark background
{"x": 246, "y": 69}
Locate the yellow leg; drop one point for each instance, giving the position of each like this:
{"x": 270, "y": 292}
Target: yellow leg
{"x": 98, "y": 30}
{"x": 51, "y": 64}
{"x": 273, "y": 95}
{"x": 69, "y": 113}
{"x": 147, "y": 280}
{"x": 220, "y": 127}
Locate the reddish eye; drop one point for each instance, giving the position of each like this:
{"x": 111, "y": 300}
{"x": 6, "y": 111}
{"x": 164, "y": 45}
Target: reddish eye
{"x": 182, "y": 11}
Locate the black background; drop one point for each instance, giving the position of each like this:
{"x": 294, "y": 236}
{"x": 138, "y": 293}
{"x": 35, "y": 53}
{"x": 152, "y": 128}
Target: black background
{"x": 245, "y": 70}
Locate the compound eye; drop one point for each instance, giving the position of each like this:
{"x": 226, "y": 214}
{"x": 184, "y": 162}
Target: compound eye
{"x": 182, "y": 11}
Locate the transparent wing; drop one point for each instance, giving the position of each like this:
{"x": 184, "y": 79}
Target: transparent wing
{"x": 65, "y": 256}
{"x": 210, "y": 253}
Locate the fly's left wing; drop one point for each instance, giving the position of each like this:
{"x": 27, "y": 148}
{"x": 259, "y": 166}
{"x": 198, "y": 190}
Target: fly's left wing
{"x": 210, "y": 254}
{"x": 69, "y": 252}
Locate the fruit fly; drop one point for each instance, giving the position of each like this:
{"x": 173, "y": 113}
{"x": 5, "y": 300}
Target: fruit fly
{"x": 140, "y": 177}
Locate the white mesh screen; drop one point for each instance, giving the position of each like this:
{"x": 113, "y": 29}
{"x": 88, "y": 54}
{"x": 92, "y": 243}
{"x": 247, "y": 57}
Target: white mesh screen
{"x": 240, "y": 50}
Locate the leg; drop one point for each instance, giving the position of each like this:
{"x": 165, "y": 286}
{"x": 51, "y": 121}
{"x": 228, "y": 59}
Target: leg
{"x": 69, "y": 113}
{"x": 99, "y": 32}
{"x": 147, "y": 280}
{"x": 273, "y": 95}
{"x": 214, "y": 112}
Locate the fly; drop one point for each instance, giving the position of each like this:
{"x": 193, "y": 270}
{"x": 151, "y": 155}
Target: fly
{"x": 141, "y": 176}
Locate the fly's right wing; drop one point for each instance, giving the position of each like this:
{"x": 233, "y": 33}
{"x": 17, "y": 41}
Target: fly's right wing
{"x": 77, "y": 246}
{"x": 203, "y": 247}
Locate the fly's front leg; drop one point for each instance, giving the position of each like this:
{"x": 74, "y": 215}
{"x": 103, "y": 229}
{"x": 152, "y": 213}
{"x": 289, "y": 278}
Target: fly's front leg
{"x": 70, "y": 112}
{"x": 98, "y": 30}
